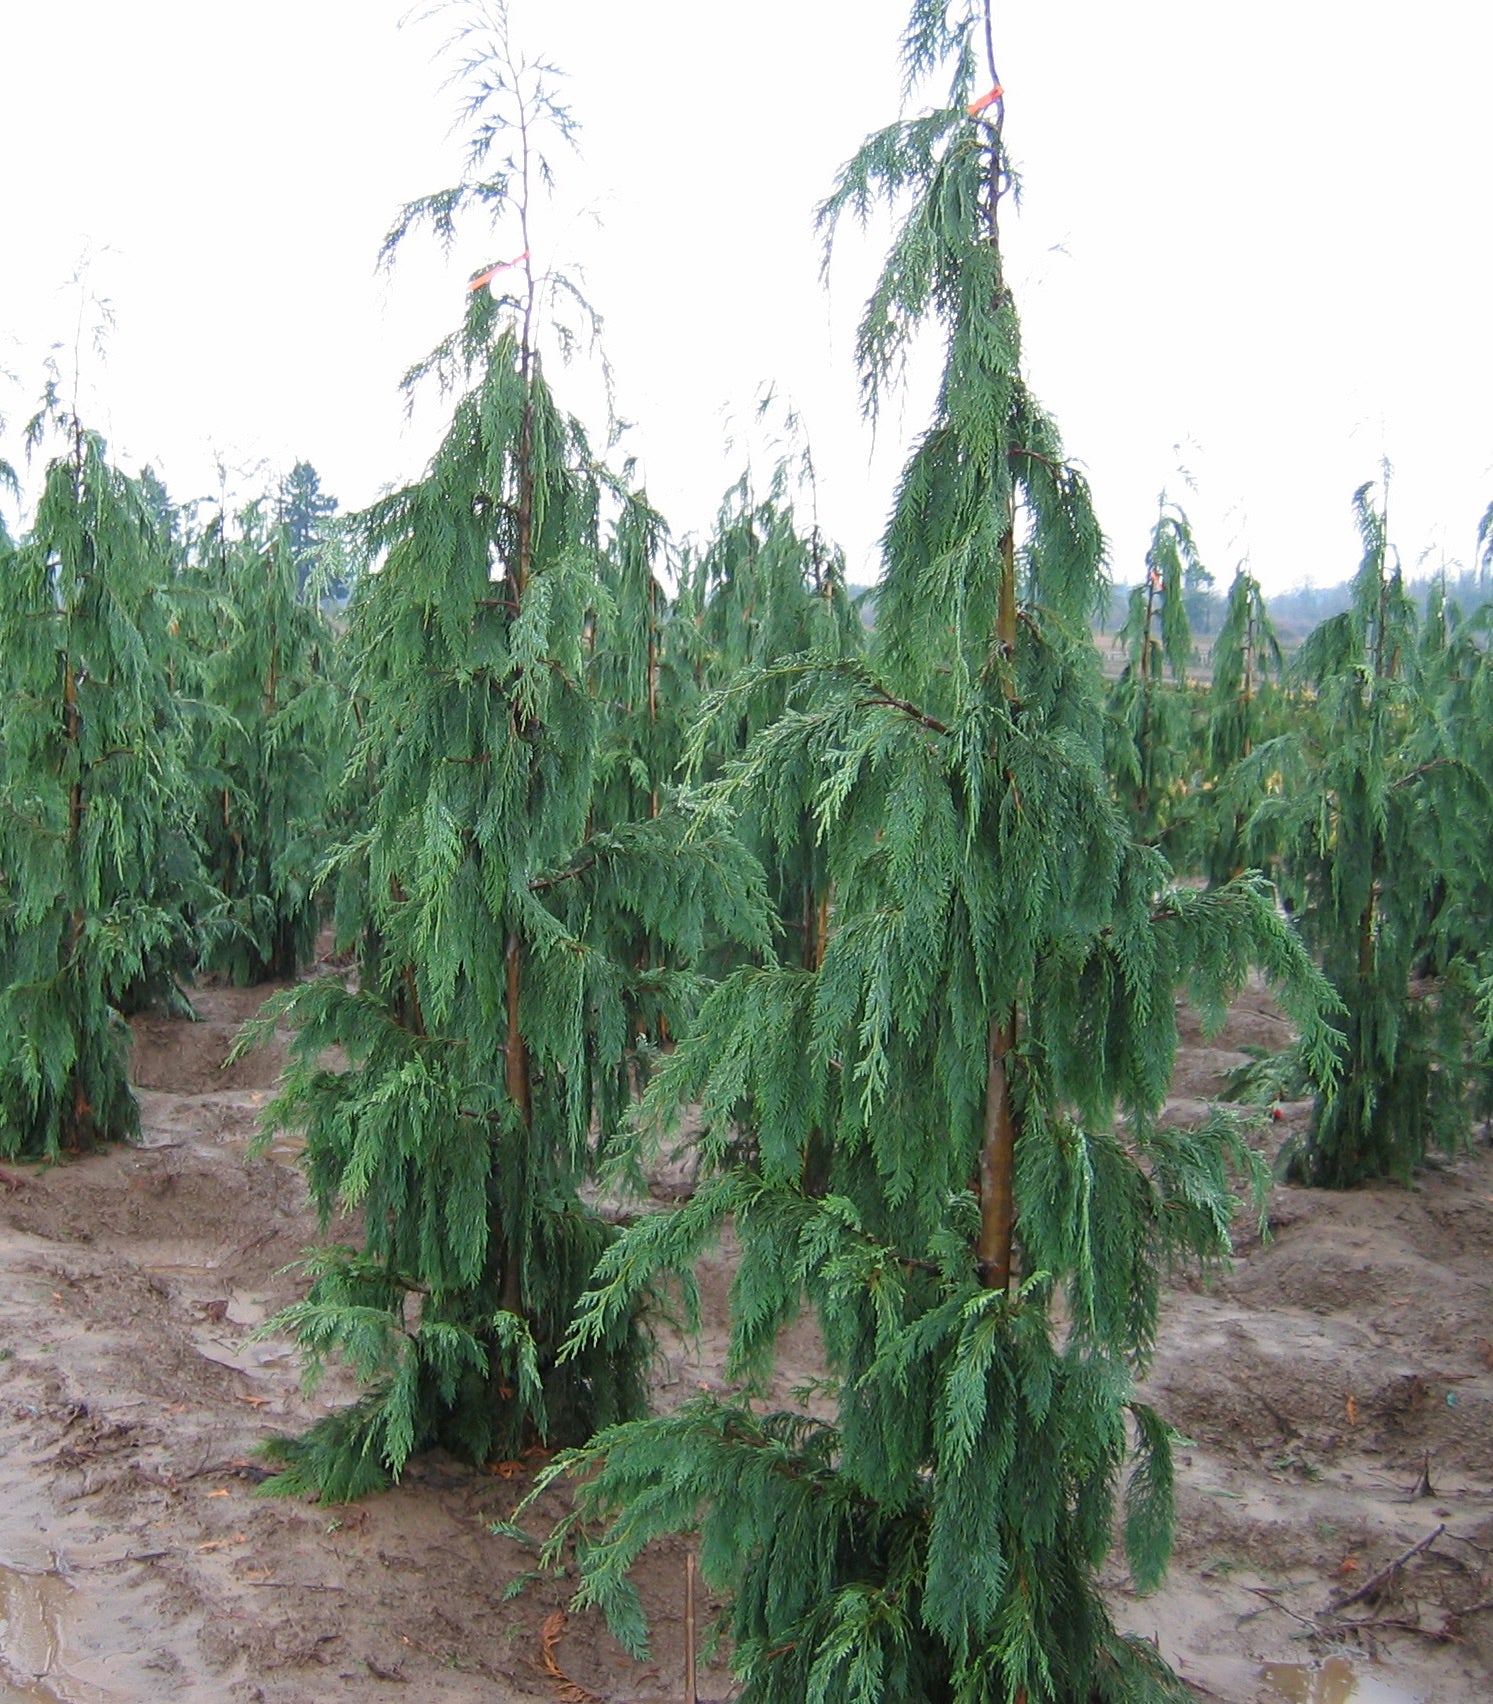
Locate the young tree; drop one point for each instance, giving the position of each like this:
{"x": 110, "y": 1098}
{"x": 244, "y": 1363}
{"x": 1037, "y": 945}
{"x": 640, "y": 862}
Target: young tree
{"x": 1244, "y": 707}
{"x": 945, "y": 1136}
{"x": 271, "y": 745}
{"x": 490, "y": 1024}
{"x": 1379, "y": 816}
{"x": 305, "y": 513}
{"x": 770, "y": 594}
{"x": 1151, "y": 724}
{"x": 99, "y": 876}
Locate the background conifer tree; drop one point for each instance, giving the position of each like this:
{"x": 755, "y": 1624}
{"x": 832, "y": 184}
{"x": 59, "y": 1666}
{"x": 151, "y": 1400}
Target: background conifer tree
{"x": 271, "y": 743}
{"x": 1245, "y": 706}
{"x": 1379, "y": 816}
{"x": 952, "y": 1121}
{"x": 99, "y": 874}
{"x": 770, "y": 594}
{"x": 1151, "y": 752}
{"x": 306, "y": 512}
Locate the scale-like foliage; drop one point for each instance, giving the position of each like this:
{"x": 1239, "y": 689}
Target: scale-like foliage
{"x": 949, "y": 1120}
{"x": 1245, "y": 706}
{"x": 1379, "y": 816}
{"x": 1151, "y": 755}
{"x": 99, "y": 873}
{"x": 500, "y": 985}
{"x": 767, "y": 595}
{"x": 272, "y": 739}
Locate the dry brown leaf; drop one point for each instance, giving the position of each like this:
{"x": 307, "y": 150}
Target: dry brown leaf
{"x": 1348, "y": 1565}
{"x": 217, "y": 1493}
{"x": 1352, "y": 1411}
{"x": 564, "y": 1688}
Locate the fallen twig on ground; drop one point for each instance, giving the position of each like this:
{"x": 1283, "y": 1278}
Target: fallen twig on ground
{"x": 1372, "y": 1587}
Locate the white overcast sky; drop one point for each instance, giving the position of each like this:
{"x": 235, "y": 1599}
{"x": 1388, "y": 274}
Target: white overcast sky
{"x": 1254, "y": 244}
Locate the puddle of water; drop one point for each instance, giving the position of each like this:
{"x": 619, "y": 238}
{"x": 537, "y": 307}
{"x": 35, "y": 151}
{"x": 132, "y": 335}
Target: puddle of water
{"x": 1335, "y": 1681}
{"x": 31, "y": 1609}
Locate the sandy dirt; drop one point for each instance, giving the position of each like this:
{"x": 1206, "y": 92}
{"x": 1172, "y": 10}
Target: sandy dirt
{"x": 1336, "y": 1392}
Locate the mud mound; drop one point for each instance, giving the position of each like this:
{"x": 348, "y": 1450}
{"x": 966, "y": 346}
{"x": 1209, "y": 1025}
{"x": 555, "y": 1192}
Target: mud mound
{"x": 1336, "y": 1394}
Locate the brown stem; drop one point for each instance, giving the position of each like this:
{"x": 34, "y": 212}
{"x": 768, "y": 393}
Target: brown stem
{"x": 1366, "y": 937}
{"x": 892, "y": 702}
{"x": 691, "y": 1696}
{"x": 997, "y": 1178}
{"x": 516, "y": 1065}
{"x": 1006, "y": 615}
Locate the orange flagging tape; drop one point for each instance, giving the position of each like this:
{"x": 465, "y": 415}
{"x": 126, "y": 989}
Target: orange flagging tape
{"x": 492, "y": 271}
{"x": 977, "y": 107}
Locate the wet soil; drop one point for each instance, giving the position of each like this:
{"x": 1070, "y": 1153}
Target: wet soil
{"x": 1336, "y": 1392}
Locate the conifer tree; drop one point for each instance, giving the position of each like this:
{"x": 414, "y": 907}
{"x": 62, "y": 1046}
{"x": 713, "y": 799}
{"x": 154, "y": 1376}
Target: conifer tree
{"x": 1379, "y": 817}
{"x": 99, "y": 875}
{"x": 306, "y": 513}
{"x": 952, "y": 1121}
{"x": 272, "y": 742}
{"x": 1151, "y": 724}
{"x": 768, "y": 595}
{"x": 1244, "y": 707}
{"x": 489, "y": 1032}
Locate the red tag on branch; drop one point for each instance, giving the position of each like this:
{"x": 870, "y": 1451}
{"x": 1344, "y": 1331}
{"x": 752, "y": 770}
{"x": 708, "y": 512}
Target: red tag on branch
{"x": 977, "y": 107}
{"x": 492, "y": 271}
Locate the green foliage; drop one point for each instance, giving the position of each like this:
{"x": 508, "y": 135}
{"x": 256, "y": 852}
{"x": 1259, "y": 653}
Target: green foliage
{"x": 1151, "y": 739}
{"x": 767, "y": 595}
{"x": 1245, "y": 706}
{"x": 513, "y": 940}
{"x": 272, "y": 736}
{"x": 948, "y": 1121}
{"x": 1377, "y": 807}
{"x": 307, "y": 514}
{"x": 99, "y": 873}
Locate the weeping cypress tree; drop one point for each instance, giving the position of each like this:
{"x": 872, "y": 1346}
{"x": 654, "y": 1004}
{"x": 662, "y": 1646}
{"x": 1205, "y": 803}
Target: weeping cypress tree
{"x": 1151, "y": 723}
{"x": 945, "y": 1136}
{"x": 768, "y": 593}
{"x": 644, "y": 693}
{"x": 491, "y": 1022}
{"x": 1244, "y": 703}
{"x": 1380, "y": 820}
{"x": 99, "y": 876}
{"x": 271, "y": 743}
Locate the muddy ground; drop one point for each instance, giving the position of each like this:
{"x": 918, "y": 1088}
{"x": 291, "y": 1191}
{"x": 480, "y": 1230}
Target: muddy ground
{"x": 1336, "y": 1391}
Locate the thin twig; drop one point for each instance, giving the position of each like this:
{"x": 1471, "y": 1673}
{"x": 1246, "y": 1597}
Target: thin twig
{"x": 1371, "y": 1587}
{"x": 1398, "y": 1624}
{"x": 297, "y": 1586}
{"x": 887, "y": 700}
{"x": 1269, "y": 1595}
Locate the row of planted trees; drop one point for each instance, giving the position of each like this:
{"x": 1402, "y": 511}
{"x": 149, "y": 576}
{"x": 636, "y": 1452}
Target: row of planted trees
{"x": 1358, "y": 772}
{"x": 896, "y": 910}
{"x": 166, "y": 733}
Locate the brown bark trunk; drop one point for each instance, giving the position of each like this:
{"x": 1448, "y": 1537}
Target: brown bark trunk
{"x": 516, "y": 1066}
{"x": 821, "y": 934}
{"x": 997, "y": 1178}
